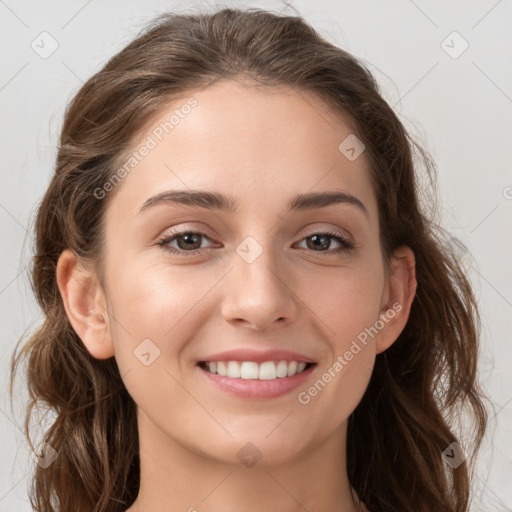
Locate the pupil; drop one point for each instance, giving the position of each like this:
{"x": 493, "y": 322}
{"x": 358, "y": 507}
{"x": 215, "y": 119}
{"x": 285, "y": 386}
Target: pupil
{"x": 315, "y": 238}
{"x": 189, "y": 238}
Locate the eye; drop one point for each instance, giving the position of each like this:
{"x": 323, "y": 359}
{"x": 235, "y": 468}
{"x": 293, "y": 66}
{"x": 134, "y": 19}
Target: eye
{"x": 321, "y": 241}
{"x": 190, "y": 242}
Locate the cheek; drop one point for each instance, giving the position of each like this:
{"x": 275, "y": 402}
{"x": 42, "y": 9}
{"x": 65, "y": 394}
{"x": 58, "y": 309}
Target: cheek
{"x": 150, "y": 325}
{"x": 347, "y": 304}
{"x": 347, "y": 309}
{"x": 345, "y": 300}
{"x": 157, "y": 303}
{"x": 145, "y": 305}
{"x": 152, "y": 297}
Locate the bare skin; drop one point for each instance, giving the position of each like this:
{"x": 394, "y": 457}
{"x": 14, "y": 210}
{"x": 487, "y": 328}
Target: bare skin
{"x": 261, "y": 147}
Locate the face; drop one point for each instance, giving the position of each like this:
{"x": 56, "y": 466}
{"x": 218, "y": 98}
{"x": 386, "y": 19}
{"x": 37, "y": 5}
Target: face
{"x": 271, "y": 273}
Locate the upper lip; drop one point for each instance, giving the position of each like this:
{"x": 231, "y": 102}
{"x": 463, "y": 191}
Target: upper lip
{"x": 258, "y": 356}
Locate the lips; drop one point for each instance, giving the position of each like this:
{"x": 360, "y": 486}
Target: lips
{"x": 256, "y": 389}
{"x": 257, "y": 356}
{"x": 257, "y": 374}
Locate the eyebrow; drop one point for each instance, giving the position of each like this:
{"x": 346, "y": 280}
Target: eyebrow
{"x": 217, "y": 201}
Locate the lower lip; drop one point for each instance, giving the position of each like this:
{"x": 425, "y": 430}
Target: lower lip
{"x": 258, "y": 389}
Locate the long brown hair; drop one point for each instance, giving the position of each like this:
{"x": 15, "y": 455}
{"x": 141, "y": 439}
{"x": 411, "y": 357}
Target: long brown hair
{"x": 420, "y": 385}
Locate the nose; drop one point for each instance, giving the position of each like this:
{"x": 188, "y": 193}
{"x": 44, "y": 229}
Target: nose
{"x": 259, "y": 294}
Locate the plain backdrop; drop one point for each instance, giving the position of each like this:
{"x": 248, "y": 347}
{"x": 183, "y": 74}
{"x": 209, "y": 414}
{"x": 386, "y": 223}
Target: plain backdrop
{"x": 444, "y": 66}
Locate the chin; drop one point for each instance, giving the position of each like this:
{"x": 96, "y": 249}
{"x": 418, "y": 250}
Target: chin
{"x": 256, "y": 451}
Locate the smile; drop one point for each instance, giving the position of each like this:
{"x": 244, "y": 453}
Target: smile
{"x": 256, "y": 381}
{"x": 268, "y": 370}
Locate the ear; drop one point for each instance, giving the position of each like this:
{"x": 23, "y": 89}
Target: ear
{"x": 85, "y": 304}
{"x": 397, "y": 297}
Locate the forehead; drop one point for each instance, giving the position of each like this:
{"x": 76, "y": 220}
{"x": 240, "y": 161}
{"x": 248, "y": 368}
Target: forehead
{"x": 261, "y": 145}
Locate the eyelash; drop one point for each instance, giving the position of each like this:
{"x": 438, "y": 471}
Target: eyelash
{"x": 163, "y": 242}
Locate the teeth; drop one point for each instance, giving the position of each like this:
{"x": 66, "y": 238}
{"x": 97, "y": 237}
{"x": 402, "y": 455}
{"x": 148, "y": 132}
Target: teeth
{"x": 269, "y": 370}
{"x": 233, "y": 370}
{"x": 292, "y": 368}
{"x": 249, "y": 370}
{"x": 282, "y": 369}
{"x": 221, "y": 369}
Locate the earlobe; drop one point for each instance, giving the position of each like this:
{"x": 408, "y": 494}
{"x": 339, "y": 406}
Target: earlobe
{"x": 401, "y": 290}
{"x": 85, "y": 305}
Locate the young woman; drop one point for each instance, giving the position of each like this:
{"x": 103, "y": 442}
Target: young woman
{"x": 245, "y": 306}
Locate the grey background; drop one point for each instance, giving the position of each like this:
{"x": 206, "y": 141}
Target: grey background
{"x": 461, "y": 108}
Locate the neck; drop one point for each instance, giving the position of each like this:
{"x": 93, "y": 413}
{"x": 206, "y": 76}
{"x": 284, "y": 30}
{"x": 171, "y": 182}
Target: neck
{"x": 175, "y": 478}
